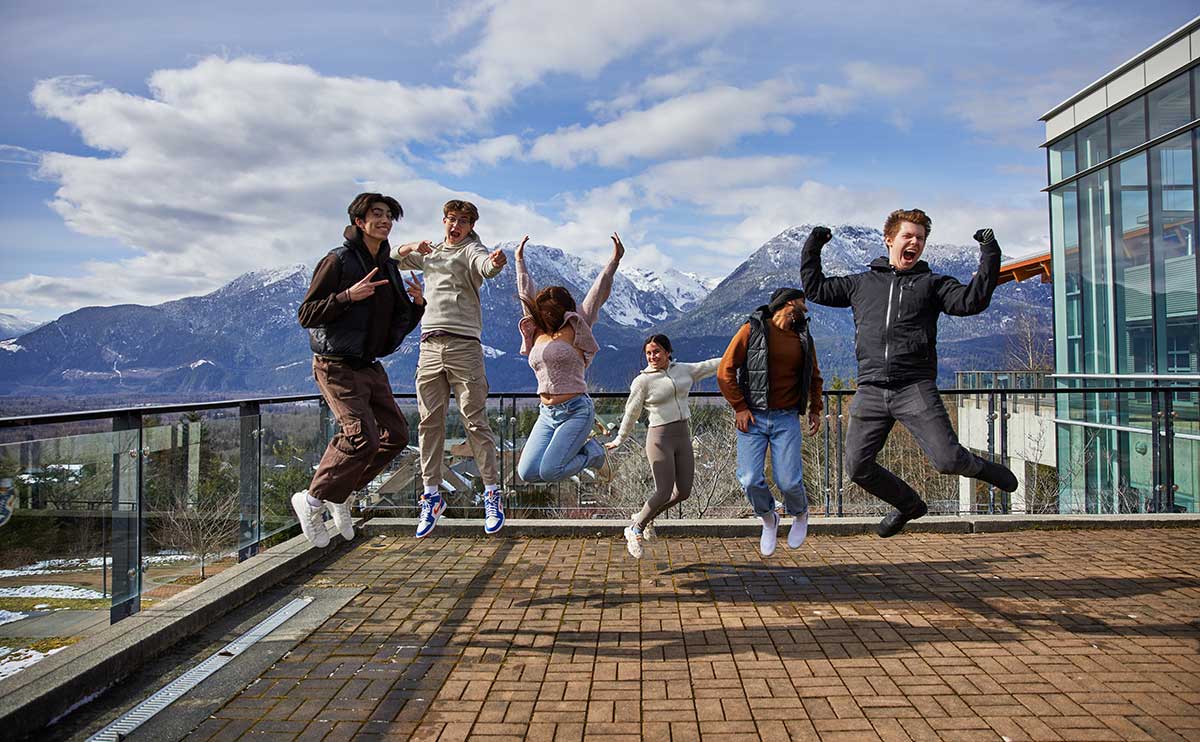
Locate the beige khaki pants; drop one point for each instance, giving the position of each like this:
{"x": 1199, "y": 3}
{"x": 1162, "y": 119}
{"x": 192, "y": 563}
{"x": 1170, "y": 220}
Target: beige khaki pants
{"x": 452, "y": 363}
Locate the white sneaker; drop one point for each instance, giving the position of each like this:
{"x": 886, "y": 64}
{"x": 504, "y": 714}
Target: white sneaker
{"x": 633, "y": 542}
{"x": 342, "y": 518}
{"x": 770, "y": 532}
{"x": 799, "y": 531}
{"x": 311, "y": 521}
{"x": 648, "y": 533}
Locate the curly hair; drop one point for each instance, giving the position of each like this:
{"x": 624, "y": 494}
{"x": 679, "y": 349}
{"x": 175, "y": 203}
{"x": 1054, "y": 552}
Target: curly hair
{"x": 549, "y": 308}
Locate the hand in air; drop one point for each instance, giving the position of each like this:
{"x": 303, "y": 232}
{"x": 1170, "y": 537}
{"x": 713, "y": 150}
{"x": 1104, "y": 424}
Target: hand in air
{"x": 413, "y": 287}
{"x": 743, "y": 420}
{"x": 424, "y": 248}
{"x": 814, "y": 423}
{"x": 820, "y": 235}
{"x": 618, "y": 248}
{"x": 520, "y": 251}
{"x": 365, "y": 288}
{"x": 984, "y": 236}
{"x": 499, "y": 259}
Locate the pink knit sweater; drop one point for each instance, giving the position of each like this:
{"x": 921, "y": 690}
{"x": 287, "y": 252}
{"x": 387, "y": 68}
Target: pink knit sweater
{"x": 560, "y": 366}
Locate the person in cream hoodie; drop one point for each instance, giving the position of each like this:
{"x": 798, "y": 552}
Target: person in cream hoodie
{"x": 662, "y": 389}
{"x": 451, "y": 357}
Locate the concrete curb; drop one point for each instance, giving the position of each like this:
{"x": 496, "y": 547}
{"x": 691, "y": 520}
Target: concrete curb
{"x": 38, "y": 695}
{"x": 743, "y": 527}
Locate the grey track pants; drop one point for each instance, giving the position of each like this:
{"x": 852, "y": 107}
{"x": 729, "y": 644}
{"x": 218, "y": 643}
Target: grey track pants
{"x": 673, "y": 463}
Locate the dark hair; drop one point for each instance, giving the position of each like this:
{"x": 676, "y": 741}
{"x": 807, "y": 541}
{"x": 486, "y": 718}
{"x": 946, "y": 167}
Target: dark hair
{"x": 661, "y": 341}
{"x": 361, "y": 204}
{"x": 549, "y": 308}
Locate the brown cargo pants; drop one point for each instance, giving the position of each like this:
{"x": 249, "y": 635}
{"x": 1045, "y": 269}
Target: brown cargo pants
{"x": 372, "y": 432}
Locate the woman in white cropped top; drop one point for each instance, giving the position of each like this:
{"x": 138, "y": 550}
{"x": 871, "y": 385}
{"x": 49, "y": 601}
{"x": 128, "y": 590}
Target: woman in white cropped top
{"x": 558, "y": 340}
{"x": 662, "y": 389}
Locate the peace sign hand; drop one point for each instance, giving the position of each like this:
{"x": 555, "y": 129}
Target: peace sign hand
{"x": 413, "y": 286}
{"x": 365, "y": 288}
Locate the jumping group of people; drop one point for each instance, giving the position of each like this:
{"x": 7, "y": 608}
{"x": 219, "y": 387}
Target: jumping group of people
{"x": 360, "y": 307}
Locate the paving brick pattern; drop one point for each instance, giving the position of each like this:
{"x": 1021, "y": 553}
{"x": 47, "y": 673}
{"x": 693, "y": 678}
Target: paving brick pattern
{"x": 1035, "y": 635}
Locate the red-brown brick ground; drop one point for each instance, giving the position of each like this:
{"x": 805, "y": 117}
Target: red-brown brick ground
{"x": 1076, "y": 635}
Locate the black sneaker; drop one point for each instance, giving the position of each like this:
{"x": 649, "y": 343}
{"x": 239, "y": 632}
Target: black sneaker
{"x": 894, "y": 521}
{"x": 999, "y": 475}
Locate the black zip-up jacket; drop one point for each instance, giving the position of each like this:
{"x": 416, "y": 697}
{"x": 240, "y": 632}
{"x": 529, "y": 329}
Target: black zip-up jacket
{"x": 357, "y": 332}
{"x": 896, "y": 312}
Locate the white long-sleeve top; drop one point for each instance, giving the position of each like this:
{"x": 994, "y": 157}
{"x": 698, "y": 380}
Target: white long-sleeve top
{"x": 663, "y": 394}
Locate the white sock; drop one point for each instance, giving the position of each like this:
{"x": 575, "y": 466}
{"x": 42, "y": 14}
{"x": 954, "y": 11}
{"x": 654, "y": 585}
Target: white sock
{"x": 430, "y": 491}
{"x": 314, "y": 502}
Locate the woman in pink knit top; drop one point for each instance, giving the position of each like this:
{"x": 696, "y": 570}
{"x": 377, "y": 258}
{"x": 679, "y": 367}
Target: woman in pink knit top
{"x": 557, "y": 337}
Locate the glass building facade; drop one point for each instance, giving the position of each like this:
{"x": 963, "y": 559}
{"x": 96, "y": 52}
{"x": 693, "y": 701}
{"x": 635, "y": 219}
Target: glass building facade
{"x": 1123, "y": 227}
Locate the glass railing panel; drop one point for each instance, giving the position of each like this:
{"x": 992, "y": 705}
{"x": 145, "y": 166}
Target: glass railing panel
{"x": 192, "y": 500}
{"x": 292, "y": 439}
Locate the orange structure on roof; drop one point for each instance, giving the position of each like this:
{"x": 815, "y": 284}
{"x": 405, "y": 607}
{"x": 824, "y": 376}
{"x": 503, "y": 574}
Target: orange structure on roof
{"x": 1038, "y": 265}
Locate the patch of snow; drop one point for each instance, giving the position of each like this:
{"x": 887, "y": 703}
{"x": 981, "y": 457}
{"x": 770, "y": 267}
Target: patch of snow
{"x": 199, "y": 363}
{"x": 10, "y": 616}
{"x": 11, "y": 346}
{"x": 65, "y": 592}
{"x": 289, "y": 365}
{"x": 14, "y": 661}
{"x": 61, "y": 566}
{"x": 490, "y": 352}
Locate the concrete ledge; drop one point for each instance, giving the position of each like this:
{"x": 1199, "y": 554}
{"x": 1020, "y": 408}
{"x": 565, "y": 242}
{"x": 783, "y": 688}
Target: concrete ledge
{"x": 36, "y": 696}
{"x": 744, "y": 527}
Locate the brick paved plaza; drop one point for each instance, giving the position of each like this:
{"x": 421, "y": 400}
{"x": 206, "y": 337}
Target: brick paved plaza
{"x": 1072, "y": 635}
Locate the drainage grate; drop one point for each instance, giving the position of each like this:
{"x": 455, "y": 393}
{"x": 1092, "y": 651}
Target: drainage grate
{"x": 174, "y": 690}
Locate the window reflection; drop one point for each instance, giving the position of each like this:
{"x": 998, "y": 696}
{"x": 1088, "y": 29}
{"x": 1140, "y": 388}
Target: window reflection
{"x": 1174, "y": 220}
{"x": 1170, "y": 106}
{"x": 1128, "y": 124}
{"x": 1093, "y": 144}
{"x": 1062, "y": 159}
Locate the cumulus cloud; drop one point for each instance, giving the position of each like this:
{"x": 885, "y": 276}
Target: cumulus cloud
{"x": 460, "y": 160}
{"x": 522, "y": 42}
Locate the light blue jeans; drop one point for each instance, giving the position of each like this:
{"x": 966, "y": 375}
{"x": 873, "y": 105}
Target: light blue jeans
{"x": 779, "y": 430}
{"x": 558, "y": 446}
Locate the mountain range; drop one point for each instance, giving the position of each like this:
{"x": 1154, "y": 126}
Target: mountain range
{"x": 244, "y": 338}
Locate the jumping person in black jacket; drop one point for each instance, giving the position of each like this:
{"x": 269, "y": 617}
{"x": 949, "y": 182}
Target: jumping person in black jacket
{"x": 358, "y": 309}
{"x": 896, "y": 306}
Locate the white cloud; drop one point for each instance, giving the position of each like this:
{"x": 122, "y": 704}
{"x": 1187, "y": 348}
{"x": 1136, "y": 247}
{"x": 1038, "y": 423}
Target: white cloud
{"x": 460, "y": 160}
{"x": 13, "y": 155}
{"x": 524, "y": 41}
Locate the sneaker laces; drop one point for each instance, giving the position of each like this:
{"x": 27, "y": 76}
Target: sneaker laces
{"x": 426, "y": 508}
{"x": 491, "y": 505}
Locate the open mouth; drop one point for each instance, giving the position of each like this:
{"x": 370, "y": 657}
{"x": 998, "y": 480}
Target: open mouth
{"x": 909, "y": 254}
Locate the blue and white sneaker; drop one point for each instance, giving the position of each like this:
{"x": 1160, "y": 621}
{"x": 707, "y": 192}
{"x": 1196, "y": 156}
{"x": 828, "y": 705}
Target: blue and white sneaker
{"x": 493, "y": 509}
{"x": 7, "y": 494}
{"x": 432, "y": 507}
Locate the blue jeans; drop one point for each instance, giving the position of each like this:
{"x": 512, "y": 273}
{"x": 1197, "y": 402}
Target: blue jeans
{"x": 779, "y": 430}
{"x": 558, "y": 446}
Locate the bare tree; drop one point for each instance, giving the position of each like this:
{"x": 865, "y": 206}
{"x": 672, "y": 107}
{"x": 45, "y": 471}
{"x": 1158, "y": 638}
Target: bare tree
{"x": 1030, "y": 343}
{"x": 206, "y": 527}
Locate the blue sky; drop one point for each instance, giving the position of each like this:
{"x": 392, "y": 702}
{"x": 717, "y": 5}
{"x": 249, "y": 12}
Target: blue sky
{"x": 152, "y": 151}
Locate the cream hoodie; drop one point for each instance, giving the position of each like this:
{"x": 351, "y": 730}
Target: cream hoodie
{"x": 453, "y": 275}
{"x": 663, "y": 394}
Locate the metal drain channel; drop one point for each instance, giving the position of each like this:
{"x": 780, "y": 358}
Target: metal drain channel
{"x": 174, "y": 690}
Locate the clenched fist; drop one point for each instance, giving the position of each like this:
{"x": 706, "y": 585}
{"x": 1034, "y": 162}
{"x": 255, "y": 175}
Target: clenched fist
{"x": 985, "y": 236}
{"x": 819, "y": 236}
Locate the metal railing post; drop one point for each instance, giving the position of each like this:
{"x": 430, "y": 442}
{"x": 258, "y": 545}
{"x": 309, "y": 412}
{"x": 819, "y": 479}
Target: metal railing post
{"x": 825, "y": 469}
{"x": 991, "y": 446}
{"x": 127, "y": 520}
{"x": 1157, "y": 499}
{"x": 1169, "y": 485}
{"x": 1005, "y": 497}
{"x": 839, "y": 448}
{"x": 250, "y": 481}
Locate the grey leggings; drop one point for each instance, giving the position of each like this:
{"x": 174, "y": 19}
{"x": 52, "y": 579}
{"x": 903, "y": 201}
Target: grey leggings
{"x": 673, "y": 463}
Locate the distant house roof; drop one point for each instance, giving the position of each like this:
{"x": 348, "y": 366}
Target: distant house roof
{"x": 1037, "y": 265}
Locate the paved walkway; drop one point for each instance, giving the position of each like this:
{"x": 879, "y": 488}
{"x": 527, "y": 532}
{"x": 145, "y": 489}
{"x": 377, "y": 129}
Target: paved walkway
{"x": 1076, "y": 635}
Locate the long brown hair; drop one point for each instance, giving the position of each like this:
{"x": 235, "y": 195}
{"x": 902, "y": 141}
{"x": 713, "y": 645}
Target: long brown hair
{"x": 549, "y": 308}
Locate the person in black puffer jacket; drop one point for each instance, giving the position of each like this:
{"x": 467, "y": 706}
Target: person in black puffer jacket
{"x": 896, "y": 306}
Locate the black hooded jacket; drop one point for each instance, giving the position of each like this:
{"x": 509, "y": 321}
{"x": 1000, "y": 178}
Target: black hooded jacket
{"x": 896, "y": 312}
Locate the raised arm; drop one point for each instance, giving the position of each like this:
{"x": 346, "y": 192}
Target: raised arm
{"x": 487, "y": 264}
{"x": 526, "y": 289}
{"x": 963, "y": 301}
{"x": 633, "y": 410}
{"x": 832, "y": 292}
{"x": 598, "y": 294}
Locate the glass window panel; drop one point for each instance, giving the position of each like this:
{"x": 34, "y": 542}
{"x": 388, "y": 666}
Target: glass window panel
{"x": 1170, "y": 106}
{"x": 1131, "y": 267}
{"x": 1064, "y": 242}
{"x": 1094, "y": 241}
{"x": 1093, "y": 144}
{"x": 1128, "y": 124}
{"x": 1173, "y": 215}
{"x": 1062, "y": 159}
